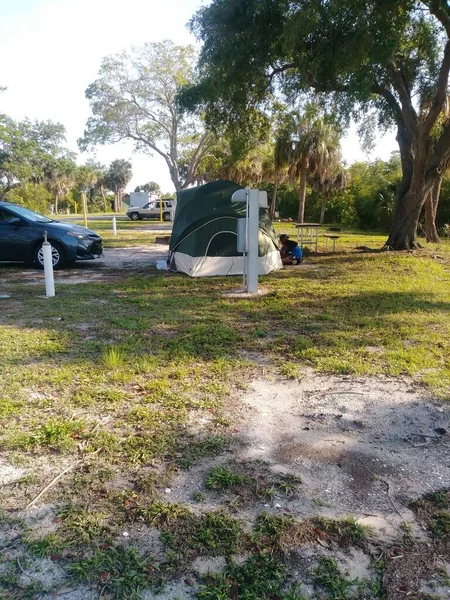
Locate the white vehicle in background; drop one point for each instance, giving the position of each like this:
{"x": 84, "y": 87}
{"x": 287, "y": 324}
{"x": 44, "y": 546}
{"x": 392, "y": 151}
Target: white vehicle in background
{"x": 151, "y": 210}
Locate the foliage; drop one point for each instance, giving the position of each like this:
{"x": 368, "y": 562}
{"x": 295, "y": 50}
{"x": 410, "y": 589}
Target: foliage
{"x": 134, "y": 98}
{"x": 28, "y": 149}
{"x": 116, "y": 179}
{"x": 151, "y": 186}
{"x": 33, "y": 196}
{"x": 387, "y": 62}
{"x": 308, "y": 143}
{"x": 372, "y": 188}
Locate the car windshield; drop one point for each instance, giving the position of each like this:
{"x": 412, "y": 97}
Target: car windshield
{"x": 20, "y": 211}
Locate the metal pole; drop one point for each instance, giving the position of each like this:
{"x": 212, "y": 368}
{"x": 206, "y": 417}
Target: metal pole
{"x": 114, "y": 225}
{"x": 245, "y": 255}
{"x": 84, "y": 209}
{"x": 48, "y": 268}
{"x": 160, "y": 210}
{"x": 253, "y": 234}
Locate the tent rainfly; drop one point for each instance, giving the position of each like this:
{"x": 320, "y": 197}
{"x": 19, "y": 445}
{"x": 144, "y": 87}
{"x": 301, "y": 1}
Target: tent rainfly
{"x": 204, "y": 233}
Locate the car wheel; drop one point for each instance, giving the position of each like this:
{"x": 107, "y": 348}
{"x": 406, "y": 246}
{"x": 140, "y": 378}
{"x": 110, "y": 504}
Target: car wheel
{"x": 134, "y": 216}
{"x": 166, "y": 216}
{"x": 58, "y": 256}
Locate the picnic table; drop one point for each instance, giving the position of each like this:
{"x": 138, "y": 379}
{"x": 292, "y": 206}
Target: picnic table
{"x": 308, "y": 233}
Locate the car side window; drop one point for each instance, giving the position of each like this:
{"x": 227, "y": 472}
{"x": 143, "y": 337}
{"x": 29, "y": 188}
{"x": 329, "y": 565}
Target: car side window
{"x": 5, "y": 217}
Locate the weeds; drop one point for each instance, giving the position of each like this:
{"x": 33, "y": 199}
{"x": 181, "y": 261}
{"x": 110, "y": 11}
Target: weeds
{"x": 223, "y": 478}
{"x": 433, "y": 510}
{"x": 116, "y": 570}
{"x": 347, "y": 532}
{"x": 114, "y": 357}
{"x": 261, "y": 577}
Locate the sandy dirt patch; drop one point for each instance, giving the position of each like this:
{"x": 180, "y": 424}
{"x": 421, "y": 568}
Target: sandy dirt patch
{"x": 363, "y": 447}
{"x": 115, "y": 263}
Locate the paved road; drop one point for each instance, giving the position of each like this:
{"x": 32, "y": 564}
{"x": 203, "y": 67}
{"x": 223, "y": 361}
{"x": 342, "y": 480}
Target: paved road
{"x": 149, "y": 223}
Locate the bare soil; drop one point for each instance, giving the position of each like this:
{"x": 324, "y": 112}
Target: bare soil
{"x": 363, "y": 447}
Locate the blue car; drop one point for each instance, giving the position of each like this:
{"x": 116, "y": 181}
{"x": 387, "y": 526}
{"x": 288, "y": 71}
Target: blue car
{"x": 22, "y": 233}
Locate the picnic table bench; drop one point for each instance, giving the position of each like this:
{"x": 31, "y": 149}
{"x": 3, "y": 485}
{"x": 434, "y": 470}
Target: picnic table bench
{"x": 333, "y": 237}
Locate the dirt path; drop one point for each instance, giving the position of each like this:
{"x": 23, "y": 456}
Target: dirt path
{"x": 115, "y": 262}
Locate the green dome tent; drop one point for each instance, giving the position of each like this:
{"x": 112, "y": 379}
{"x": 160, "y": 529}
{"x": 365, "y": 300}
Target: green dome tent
{"x": 204, "y": 233}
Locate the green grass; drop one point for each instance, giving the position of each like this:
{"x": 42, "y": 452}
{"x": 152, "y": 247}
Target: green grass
{"x": 145, "y": 370}
{"x": 348, "y": 532}
{"x": 434, "y": 511}
{"x": 261, "y": 577}
{"x": 116, "y": 570}
{"x": 222, "y": 478}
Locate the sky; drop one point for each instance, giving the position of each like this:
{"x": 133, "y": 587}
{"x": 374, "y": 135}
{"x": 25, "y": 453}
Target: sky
{"x": 52, "y": 49}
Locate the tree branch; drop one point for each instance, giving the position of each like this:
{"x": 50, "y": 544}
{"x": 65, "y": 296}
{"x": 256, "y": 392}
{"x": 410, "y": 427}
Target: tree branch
{"x": 440, "y": 154}
{"x": 137, "y": 137}
{"x": 149, "y": 115}
{"x": 196, "y": 159}
{"x": 279, "y": 70}
{"x": 441, "y": 14}
{"x": 407, "y": 108}
{"x": 441, "y": 92}
{"x": 390, "y": 99}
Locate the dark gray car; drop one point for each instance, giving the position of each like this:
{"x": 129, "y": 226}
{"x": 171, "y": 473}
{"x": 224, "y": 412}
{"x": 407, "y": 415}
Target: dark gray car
{"x": 22, "y": 233}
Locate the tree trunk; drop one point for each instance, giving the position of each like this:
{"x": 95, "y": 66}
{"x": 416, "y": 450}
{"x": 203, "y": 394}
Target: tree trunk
{"x": 403, "y": 234}
{"x": 116, "y": 200}
{"x": 274, "y": 199}
{"x": 302, "y": 193}
{"x": 410, "y": 194}
{"x": 102, "y": 192}
{"x": 431, "y": 204}
{"x": 56, "y": 203}
{"x": 322, "y": 209}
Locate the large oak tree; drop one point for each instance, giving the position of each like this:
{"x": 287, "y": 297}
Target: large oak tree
{"x": 388, "y": 58}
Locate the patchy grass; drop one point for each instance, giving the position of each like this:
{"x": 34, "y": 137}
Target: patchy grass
{"x": 334, "y": 584}
{"x": 223, "y": 478}
{"x": 119, "y": 571}
{"x": 186, "y": 534}
{"x": 345, "y": 532}
{"x": 434, "y": 511}
{"x": 248, "y": 482}
{"x": 144, "y": 370}
{"x": 260, "y": 577}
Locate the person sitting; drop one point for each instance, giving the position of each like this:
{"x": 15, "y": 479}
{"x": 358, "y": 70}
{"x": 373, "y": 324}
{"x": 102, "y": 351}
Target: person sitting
{"x": 291, "y": 253}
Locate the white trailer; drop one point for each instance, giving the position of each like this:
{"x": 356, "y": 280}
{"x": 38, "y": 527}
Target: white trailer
{"x": 139, "y": 198}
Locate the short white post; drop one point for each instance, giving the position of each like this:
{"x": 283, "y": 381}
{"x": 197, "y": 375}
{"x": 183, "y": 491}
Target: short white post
{"x": 114, "y": 224}
{"x": 253, "y": 235}
{"x": 48, "y": 268}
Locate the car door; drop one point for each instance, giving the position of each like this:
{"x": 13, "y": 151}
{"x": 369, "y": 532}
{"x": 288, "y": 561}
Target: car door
{"x": 146, "y": 210}
{"x": 17, "y": 236}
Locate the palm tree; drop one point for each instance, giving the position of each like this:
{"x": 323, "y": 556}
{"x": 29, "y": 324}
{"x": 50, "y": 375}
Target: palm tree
{"x": 86, "y": 179}
{"x": 308, "y": 143}
{"x": 333, "y": 179}
{"x": 59, "y": 178}
{"x": 282, "y": 153}
{"x": 117, "y": 178}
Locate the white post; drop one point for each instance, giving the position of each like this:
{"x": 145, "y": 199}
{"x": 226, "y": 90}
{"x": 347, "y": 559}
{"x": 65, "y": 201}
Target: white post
{"x": 114, "y": 224}
{"x": 48, "y": 268}
{"x": 253, "y": 235}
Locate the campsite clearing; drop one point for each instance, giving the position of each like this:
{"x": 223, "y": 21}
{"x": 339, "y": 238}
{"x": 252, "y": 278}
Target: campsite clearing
{"x": 193, "y": 427}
